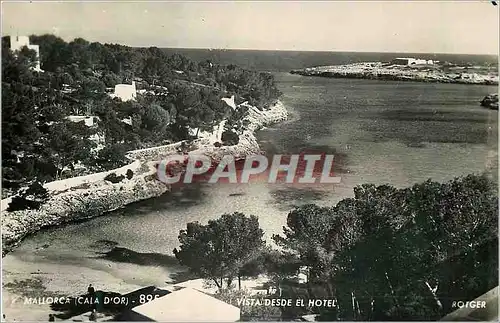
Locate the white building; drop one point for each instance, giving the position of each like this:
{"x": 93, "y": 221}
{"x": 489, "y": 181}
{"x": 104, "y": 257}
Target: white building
{"x": 90, "y": 121}
{"x": 18, "y": 42}
{"x": 125, "y": 92}
{"x": 230, "y": 102}
{"x": 411, "y": 61}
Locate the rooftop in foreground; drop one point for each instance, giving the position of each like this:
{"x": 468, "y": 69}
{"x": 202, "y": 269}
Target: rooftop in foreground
{"x": 186, "y": 305}
{"x": 487, "y": 313}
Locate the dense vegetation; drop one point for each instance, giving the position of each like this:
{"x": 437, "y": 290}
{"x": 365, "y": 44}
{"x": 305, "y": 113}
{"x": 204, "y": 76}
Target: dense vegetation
{"x": 39, "y": 143}
{"x": 386, "y": 254}
{"x": 221, "y": 250}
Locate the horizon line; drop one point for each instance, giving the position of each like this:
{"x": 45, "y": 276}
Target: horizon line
{"x": 324, "y": 51}
{"x": 272, "y": 50}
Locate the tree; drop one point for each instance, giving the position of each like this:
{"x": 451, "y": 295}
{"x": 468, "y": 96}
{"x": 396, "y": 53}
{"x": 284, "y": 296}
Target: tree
{"x": 400, "y": 254}
{"x": 16, "y": 68}
{"x": 236, "y": 120}
{"x": 111, "y": 157}
{"x": 29, "y": 55}
{"x": 67, "y": 144}
{"x": 54, "y": 51}
{"x": 306, "y": 235}
{"x": 230, "y": 138}
{"x": 110, "y": 79}
{"x": 219, "y": 250}
{"x": 74, "y": 82}
{"x": 31, "y": 198}
{"x": 156, "y": 118}
{"x": 90, "y": 93}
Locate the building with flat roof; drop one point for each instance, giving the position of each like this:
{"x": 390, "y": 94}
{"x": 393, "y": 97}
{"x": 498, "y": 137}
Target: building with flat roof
{"x": 125, "y": 92}
{"x": 89, "y": 121}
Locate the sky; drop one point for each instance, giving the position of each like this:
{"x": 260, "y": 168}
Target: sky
{"x": 466, "y": 27}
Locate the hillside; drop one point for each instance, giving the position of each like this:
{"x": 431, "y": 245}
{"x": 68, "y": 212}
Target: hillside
{"x": 178, "y": 95}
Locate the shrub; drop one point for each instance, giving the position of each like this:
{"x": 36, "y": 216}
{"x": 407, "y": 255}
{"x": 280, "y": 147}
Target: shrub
{"x": 129, "y": 174}
{"x": 112, "y": 157}
{"x": 113, "y": 178}
{"x": 30, "y": 199}
{"x": 230, "y": 138}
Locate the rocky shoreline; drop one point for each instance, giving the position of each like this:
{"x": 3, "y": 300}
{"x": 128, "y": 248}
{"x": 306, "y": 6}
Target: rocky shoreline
{"x": 90, "y": 200}
{"x": 490, "y": 101}
{"x": 384, "y": 71}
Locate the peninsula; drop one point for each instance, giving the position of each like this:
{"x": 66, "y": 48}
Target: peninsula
{"x": 408, "y": 69}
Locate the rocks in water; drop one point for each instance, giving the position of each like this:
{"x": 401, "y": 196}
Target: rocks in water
{"x": 490, "y": 101}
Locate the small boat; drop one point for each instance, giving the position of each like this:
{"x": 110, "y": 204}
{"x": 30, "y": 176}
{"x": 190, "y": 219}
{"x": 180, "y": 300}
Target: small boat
{"x": 490, "y": 101}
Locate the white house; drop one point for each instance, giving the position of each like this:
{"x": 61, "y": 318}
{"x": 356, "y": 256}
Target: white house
{"x": 90, "y": 121}
{"x": 216, "y": 134}
{"x": 125, "y": 92}
{"x": 18, "y": 42}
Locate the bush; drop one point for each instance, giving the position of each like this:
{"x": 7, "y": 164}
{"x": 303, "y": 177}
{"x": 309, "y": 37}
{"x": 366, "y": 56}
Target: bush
{"x": 400, "y": 243}
{"x": 113, "y": 178}
{"x": 129, "y": 174}
{"x": 217, "y": 144}
{"x": 37, "y": 190}
{"x": 30, "y": 199}
{"x": 112, "y": 157}
{"x": 230, "y": 138}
